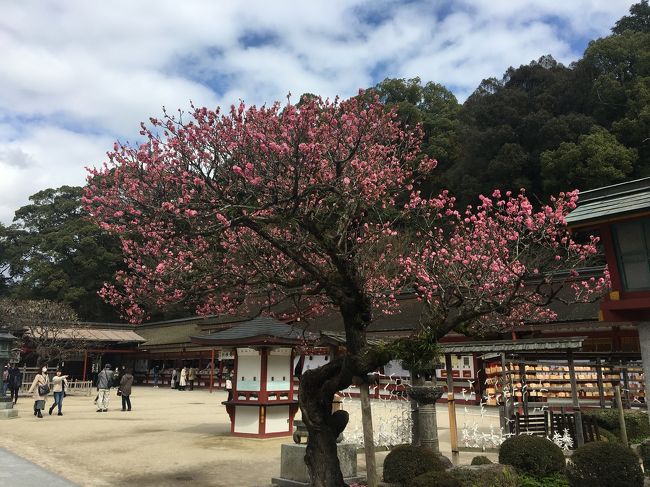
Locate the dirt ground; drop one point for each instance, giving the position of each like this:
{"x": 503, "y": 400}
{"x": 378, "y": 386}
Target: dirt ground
{"x": 170, "y": 438}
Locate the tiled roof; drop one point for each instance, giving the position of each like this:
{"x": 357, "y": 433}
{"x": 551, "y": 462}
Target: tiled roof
{"x": 97, "y": 335}
{"x": 169, "y": 334}
{"x": 261, "y": 328}
{"x": 525, "y": 345}
{"x": 617, "y": 200}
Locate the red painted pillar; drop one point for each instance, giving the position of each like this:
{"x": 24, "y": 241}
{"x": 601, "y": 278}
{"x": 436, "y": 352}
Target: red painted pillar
{"x": 263, "y": 394}
{"x": 85, "y": 364}
{"x": 212, "y": 372}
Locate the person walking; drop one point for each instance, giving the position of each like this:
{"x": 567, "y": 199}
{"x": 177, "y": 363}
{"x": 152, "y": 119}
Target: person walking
{"x": 104, "y": 384}
{"x": 156, "y": 376}
{"x": 15, "y": 382}
{"x": 59, "y": 384}
{"x": 39, "y": 389}
{"x": 229, "y": 386}
{"x": 191, "y": 377}
{"x": 125, "y": 388}
{"x": 183, "y": 382}
{"x": 174, "y": 378}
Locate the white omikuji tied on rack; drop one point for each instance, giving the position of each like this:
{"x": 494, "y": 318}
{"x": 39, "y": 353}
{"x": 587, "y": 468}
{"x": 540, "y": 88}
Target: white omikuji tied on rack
{"x": 396, "y": 424}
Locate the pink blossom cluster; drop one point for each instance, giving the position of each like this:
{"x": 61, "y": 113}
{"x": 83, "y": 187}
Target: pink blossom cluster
{"x": 312, "y": 205}
{"x": 280, "y": 202}
{"x": 499, "y": 263}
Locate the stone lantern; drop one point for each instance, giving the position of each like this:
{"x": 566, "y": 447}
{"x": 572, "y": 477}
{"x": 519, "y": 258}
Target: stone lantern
{"x": 6, "y": 404}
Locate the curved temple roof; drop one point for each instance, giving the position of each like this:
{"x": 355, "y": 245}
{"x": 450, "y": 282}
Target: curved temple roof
{"x": 258, "y": 331}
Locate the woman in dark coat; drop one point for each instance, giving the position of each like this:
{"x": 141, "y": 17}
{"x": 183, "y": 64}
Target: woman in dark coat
{"x": 15, "y": 382}
{"x": 125, "y": 387}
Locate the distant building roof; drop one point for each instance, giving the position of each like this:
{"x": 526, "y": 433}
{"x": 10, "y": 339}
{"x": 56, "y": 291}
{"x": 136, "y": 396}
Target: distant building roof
{"x": 258, "y": 331}
{"x": 95, "y": 335}
{"x": 176, "y": 334}
{"x": 510, "y": 346}
{"x": 611, "y": 201}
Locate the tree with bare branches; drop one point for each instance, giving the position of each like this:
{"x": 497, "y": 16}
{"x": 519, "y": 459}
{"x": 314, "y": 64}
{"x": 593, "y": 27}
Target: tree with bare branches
{"x": 47, "y": 329}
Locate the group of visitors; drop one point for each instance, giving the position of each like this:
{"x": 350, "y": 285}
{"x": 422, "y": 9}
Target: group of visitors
{"x": 107, "y": 379}
{"x": 180, "y": 379}
{"x": 12, "y": 379}
{"x": 42, "y": 386}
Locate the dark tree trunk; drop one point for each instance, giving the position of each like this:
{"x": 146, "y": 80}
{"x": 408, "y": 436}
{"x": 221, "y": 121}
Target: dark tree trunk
{"x": 318, "y": 386}
{"x": 317, "y": 389}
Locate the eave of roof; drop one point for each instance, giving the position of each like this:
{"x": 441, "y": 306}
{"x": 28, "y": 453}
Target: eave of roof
{"x": 260, "y": 330}
{"x": 525, "y": 345}
{"x": 612, "y": 202}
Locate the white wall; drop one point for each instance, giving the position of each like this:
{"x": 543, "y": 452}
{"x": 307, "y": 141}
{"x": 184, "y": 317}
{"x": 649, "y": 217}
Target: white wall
{"x": 247, "y": 419}
{"x": 249, "y": 370}
{"x": 277, "y": 419}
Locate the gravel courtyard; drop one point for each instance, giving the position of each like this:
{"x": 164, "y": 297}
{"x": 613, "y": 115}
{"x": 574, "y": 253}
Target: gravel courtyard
{"x": 171, "y": 438}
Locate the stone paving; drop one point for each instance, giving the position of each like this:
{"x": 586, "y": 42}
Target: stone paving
{"x": 17, "y": 471}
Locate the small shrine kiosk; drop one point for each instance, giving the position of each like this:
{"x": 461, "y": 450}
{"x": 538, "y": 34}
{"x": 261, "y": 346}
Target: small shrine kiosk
{"x": 263, "y": 402}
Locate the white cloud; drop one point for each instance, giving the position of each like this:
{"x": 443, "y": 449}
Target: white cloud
{"x": 76, "y": 75}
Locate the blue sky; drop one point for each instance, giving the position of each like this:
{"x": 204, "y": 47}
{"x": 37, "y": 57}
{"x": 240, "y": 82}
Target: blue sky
{"x": 77, "y": 75}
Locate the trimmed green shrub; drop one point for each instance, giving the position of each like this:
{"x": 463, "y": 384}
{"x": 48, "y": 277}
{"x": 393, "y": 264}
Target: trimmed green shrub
{"x": 644, "y": 452}
{"x": 405, "y": 462}
{"x": 604, "y": 464}
{"x": 493, "y": 475}
{"x": 533, "y": 455}
{"x": 636, "y": 423}
{"x": 606, "y": 435}
{"x": 557, "y": 480}
{"x": 481, "y": 460}
{"x": 435, "y": 478}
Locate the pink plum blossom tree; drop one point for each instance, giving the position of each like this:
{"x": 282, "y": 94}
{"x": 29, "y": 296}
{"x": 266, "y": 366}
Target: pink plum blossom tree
{"x": 316, "y": 205}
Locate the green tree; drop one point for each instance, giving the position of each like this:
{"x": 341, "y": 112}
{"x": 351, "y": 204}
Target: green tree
{"x": 431, "y": 105}
{"x": 597, "y": 159}
{"x": 638, "y": 21}
{"x": 501, "y": 124}
{"x": 53, "y": 252}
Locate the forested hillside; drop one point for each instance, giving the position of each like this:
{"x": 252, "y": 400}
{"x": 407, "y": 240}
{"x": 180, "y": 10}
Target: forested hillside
{"x": 542, "y": 126}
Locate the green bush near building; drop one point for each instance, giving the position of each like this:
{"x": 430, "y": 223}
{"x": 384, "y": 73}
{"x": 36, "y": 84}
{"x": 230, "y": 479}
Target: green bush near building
{"x": 493, "y": 475}
{"x": 435, "y": 478}
{"x": 532, "y": 455}
{"x": 557, "y": 480}
{"x": 604, "y": 464}
{"x": 481, "y": 460}
{"x": 636, "y": 423}
{"x": 405, "y": 462}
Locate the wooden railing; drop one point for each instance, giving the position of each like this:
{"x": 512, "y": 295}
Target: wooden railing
{"x": 75, "y": 387}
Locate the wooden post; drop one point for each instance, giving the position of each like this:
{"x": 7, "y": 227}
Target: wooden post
{"x": 626, "y": 385}
{"x": 368, "y": 434}
{"x": 212, "y": 372}
{"x": 576, "y": 404}
{"x": 621, "y": 415}
{"x": 524, "y": 389}
{"x": 601, "y": 387}
{"x": 504, "y": 388}
{"x": 451, "y": 406}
